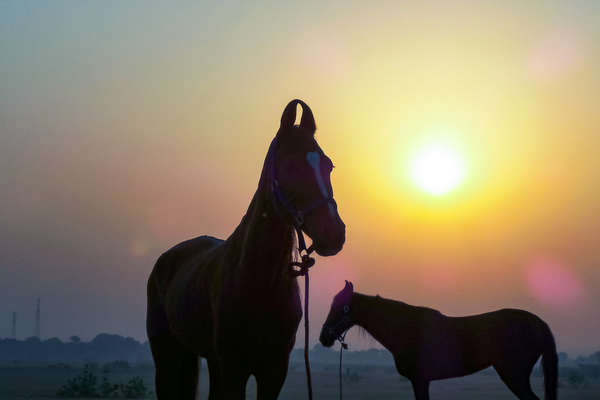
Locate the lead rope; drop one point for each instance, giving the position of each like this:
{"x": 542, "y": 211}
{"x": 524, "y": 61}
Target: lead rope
{"x": 303, "y": 266}
{"x": 306, "y": 361}
{"x": 343, "y": 346}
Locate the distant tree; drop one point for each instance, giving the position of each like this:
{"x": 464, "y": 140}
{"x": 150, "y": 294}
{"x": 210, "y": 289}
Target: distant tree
{"x": 75, "y": 339}
{"x": 119, "y": 365}
{"x": 575, "y": 378}
{"x": 595, "y": 357}
{"x": 562, "y": 357}
{"x": 351, "y": 376}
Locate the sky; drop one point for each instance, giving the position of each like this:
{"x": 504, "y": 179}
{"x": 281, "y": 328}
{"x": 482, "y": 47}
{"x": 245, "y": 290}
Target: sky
{"x": 127, "y": 127}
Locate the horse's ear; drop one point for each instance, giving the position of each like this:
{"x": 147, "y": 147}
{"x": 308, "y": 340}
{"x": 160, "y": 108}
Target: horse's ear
{"x": 308, "y": 120}
{"x": 349, "y": 286}
{"x": 289, "y": 115}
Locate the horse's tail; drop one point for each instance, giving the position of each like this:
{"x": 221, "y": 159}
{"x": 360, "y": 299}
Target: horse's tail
{"x": 549, "y": 365}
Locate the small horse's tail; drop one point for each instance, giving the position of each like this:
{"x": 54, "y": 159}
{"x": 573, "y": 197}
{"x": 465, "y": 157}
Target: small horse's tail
{"x": 550, "y": 365}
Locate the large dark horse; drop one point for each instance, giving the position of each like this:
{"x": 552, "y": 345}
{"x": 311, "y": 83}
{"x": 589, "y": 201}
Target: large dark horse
{"x": 234, "y": 302}
{"x": 428, "y": 345}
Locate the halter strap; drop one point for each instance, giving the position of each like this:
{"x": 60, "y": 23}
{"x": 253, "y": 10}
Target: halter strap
{"x": 298, "y": 214}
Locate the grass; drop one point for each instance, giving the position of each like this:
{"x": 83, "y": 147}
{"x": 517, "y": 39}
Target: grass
{"x": 376, "y": 383}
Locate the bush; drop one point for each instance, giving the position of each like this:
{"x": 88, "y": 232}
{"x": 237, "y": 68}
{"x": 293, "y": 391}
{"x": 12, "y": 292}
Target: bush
{"x": 108, "y": 389}
{"x": 83, "y": 385}
{"x": 135, "y": 389}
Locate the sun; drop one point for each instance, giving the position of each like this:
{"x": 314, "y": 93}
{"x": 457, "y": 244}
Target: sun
{"x": 437, "y": 169}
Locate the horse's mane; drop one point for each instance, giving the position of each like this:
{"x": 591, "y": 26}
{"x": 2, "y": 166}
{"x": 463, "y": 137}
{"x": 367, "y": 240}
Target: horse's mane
{"x": 262, "y": 204}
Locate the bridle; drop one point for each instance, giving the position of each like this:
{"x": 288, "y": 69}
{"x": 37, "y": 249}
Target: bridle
{"x": 298, "y": 214}
{"x": 284, "y": 205}
{"x": 346, "y": 319}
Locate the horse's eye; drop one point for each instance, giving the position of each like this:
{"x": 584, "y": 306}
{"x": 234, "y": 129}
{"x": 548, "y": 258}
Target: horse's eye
{"x": 346, "y": 309}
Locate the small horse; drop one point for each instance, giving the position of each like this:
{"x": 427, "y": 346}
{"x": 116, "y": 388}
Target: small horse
{"x": 428, "y": 345}
{"x": 235, "y": 301}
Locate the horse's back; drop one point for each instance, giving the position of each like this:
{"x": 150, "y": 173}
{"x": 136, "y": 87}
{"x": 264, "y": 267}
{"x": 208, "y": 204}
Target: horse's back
{"x": 173, "y": 261}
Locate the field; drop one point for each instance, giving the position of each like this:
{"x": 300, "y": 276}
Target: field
{"x": 360, "y": 382}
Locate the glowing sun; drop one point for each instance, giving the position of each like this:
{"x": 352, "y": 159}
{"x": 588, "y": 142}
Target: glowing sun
{"x": 437, "y": 169}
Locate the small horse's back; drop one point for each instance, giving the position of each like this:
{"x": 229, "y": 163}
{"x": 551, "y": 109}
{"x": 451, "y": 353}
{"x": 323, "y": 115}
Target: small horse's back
{"x": 537, "y": 327}
{"x": 165, "y": 269}
{"x": 508, "y": 329}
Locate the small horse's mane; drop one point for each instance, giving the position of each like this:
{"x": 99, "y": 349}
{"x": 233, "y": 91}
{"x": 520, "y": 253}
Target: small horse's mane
{"x": 396, "y": 320}
{"x": 408, "y": 307}
{"x": 400, "y": 312}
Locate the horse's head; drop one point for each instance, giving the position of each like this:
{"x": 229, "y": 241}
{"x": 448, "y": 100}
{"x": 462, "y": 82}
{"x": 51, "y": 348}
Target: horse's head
{"x": 301, "y": 182}
{"x": 339, "y": 319}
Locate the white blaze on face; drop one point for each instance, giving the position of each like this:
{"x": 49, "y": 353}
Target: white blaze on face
{"x": 314, "y": 160}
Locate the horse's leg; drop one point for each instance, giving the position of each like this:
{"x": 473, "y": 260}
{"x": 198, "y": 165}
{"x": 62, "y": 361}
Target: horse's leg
{"x": 189, "y": 375}
{"x": 517, "y": 380}
{"x": 176, "y": 369}
{"x": 270, "y": 380}
{"x": 234, "y": 378}
{"x": 421, "y": 389}
{"x": 214, "y": 372}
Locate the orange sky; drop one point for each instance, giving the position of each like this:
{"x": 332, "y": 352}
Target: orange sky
{"x": 126, "y": 128}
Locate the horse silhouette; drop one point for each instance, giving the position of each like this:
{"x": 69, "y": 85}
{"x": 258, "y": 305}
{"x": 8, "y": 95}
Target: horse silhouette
{"x": 428, "y": 345}
{"x": 235, "y": 302}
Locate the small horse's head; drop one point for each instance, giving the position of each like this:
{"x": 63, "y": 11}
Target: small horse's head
{"x": 302, "y": 184}
{"x": 339, "y": 319}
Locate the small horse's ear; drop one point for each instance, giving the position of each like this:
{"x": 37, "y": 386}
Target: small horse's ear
{"x": 308, "y": 120}
{"x": 289, "y": 114}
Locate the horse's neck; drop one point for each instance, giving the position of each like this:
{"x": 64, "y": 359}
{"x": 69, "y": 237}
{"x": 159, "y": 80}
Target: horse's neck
{"x": 262, "y": 243}
{"x": 371, "y": 314}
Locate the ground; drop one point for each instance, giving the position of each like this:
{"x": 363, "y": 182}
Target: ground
{"x": 361, "y": 382}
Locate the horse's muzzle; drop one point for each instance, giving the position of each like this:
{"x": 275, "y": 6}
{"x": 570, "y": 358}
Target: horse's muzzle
{"x": 326, "y": 339}
{"x": 333, "y": 245}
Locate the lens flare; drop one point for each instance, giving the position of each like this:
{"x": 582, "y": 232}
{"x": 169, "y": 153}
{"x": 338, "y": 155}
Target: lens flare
{"x": 553, "y": 284}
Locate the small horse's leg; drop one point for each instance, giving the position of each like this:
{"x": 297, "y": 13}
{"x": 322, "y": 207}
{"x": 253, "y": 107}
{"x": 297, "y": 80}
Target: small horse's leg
{"x": 421, "y": 389}
{"x": 176, "y": 369}
{"x": 214, "y": 372}
{"x": 269, "y": 381}
{"x": 517, "y": 380}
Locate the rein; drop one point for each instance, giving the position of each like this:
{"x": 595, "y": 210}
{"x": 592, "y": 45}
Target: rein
{"x": 343, "y": 346}
{"x": 300, "y": 268}
{"x": 342, "y": 339}
{"x": 303, "y": 266}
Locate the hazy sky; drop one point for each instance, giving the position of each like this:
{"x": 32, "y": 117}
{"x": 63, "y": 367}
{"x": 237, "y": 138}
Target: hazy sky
{"x": 126, "y": 127}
